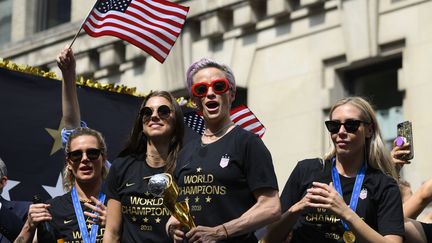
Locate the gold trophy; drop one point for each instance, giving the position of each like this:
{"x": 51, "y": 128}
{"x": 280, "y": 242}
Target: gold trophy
{"x": 162, "y": 185}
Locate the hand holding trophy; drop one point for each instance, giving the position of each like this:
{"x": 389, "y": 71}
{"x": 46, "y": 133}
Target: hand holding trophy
{"x": 162, "y": 185}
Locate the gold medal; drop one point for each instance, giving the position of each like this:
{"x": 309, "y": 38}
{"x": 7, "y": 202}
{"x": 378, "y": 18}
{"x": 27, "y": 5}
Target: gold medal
{"x": 349, "y": 237}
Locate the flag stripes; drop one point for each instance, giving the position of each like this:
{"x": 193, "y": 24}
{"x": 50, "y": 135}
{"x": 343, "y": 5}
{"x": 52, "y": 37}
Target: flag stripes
{"x": 152, "y": 25}
{"x": 244, "y": 117}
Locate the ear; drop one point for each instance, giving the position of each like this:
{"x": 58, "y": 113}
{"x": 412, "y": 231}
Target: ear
{"x": 232, "y": 95}
{"x": 369, "y": 131}
{"x": 3, "y": 181}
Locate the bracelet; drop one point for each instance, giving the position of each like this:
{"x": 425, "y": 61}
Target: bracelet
{"x": 226, "y": 232}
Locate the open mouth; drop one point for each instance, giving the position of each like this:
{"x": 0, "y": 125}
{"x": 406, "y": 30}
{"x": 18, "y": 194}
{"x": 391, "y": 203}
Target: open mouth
{"x": 212, "y": 105}
{"x": 86, "y": 169}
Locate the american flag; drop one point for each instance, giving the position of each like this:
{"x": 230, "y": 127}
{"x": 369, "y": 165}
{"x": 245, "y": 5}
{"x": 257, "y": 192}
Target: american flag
{"x": 152, "y": 25}
{"x": 241, "y": 116}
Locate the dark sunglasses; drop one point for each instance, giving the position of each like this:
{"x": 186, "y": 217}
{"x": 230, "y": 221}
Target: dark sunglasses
{"x": 350, "y": 126}
{"x": 219, "y": 86}
{"x": 91, "y": 153}
{"x": 163, "y": 112}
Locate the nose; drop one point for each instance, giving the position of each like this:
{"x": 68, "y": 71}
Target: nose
{"x": 210, "y": 91}
{"x": 84, "y": 157}
{"x": 342, "y": 129}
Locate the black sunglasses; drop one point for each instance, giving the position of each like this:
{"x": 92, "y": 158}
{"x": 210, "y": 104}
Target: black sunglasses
{"x": 91, "y": 153}
{"x": 163, "y": 112}
{"x": 350, "y": 126}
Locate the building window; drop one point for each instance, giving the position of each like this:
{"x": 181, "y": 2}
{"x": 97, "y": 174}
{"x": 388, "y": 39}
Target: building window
{"x": 5, "y": 21}
{"x": 378, "y": 82}
{"x": 52, "y": 13}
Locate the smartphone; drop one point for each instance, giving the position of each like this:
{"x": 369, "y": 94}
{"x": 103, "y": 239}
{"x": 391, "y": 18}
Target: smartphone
{"x": 404, "y": 129}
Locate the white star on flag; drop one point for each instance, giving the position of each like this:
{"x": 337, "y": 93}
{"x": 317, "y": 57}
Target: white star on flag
{"x": 9, "y": 185}
{"x": 56, "y": 190}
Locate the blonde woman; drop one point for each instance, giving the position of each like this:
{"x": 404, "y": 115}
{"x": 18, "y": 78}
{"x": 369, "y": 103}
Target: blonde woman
{"x": 81, "y": 208}
{"x": 351, "y": 195}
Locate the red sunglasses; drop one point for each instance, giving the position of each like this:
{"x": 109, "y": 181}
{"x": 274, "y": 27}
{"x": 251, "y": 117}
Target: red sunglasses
{"x": 219, "y": 86}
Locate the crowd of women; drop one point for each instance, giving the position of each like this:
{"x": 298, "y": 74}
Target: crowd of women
{"x": 226, "y": 177}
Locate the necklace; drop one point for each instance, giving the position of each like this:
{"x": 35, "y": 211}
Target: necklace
{"x": 218, "y": 131}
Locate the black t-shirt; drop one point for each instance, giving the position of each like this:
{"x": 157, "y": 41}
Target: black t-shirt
{"x": 379, "y": 205}
{"x": 143, "y": 216}
{"x": 64, "y": 220}
{"x": 218, "y": 179}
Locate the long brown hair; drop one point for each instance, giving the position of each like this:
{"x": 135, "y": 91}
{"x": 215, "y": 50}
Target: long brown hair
{"x": 376, "y": 153}
{"x": 137, "y": 142}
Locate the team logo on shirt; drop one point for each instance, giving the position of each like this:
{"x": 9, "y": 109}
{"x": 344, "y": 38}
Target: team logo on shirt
{"x": 224, "y": 161}
{"x": 363, "y": 194}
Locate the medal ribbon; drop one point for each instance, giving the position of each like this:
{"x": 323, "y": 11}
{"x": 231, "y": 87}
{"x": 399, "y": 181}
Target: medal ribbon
{"x": 80, "y": 217}
{"x": 356, "y": 190}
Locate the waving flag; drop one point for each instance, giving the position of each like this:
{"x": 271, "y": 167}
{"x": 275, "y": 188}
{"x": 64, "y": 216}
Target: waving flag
{"x": 241, "y": 116}
{"x": 152, "y": 25}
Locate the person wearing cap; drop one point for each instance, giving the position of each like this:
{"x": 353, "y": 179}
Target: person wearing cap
{"x": 227, "y": 175}
{"x": 12, "y": 213}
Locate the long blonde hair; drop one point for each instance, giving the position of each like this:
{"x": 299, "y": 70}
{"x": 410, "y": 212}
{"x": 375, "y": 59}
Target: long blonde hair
{"x": 68, "y": 176}
{"x": 376, "y": 153}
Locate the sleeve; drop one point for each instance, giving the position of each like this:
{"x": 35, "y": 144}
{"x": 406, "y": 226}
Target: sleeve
{"x": 390, "y": 212}
{"x": 259, "y": 165}
{"x": 113, "y": 181}
{"x": 65, "y": 133}
{"x": 10, "y": 224}
{"x": 293, "y": 191}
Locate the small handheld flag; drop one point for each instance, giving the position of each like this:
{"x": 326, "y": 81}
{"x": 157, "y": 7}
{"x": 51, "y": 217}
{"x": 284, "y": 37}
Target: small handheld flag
{"x": 241, "y": 116}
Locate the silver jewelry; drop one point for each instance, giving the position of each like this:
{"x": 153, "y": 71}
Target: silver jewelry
{"x": 218, "y": 131}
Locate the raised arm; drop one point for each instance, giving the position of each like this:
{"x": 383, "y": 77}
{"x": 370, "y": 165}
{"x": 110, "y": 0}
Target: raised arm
{"x": 418, "y": 201}
{"x": 70, "y": 105}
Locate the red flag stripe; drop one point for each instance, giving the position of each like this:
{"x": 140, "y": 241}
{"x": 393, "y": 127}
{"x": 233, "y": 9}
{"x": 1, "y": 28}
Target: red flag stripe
{"x": 158, "y": 17}
{"x": 166, "y": 29}
{"x": 152, "y": 25}
{"x": 162, "y": 43}
{"x": 156, "y": 43}
{"x": 133, "y": 22}
{"x": 172, "y": 6}
{"x": 243, "y": 116}
{"x": 176, "y": 18}
{"x": 129, "y": 37}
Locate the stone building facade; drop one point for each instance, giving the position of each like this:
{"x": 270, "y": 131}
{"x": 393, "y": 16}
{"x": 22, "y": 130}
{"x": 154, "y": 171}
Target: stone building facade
{"x": 292, "y": 60}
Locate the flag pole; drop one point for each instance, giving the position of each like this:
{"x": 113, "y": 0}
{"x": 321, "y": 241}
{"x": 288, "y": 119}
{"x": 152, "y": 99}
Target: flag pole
{"x": 82, "y": 24}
